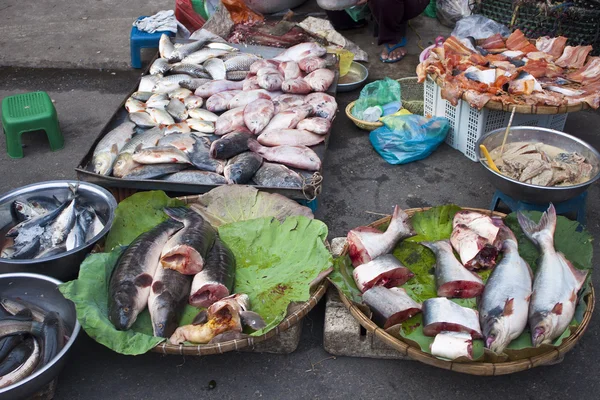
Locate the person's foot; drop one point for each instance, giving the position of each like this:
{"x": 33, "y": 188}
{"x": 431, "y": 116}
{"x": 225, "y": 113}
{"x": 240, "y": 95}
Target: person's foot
{"x": 393, "y": 53}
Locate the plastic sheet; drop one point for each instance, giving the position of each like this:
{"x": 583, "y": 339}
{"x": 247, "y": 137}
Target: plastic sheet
{"x": 479, "y": 27}
{"x": 240, "y": 12}
{"x": 377, "y": 93}
{"x": 450, "y": 11}
{"x": 407, "y": 138}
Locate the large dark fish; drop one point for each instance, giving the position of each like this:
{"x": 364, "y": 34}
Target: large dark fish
{"x": 16, "y": 357}
{"x": 201, "y": 159}
{"x": 154, "y": 171}
{"x": 215, "y": 281}
{"x": 241, "y": 168}
{"x": 390, "y": 306}
{"x": 230, "y": 145}
{"x": 168, "y": 295}
{"x": 24, "y": 369}
{"x": 130, "y": 282}
{"x": 186, "y": 251}
{"x": 52, "y": 337}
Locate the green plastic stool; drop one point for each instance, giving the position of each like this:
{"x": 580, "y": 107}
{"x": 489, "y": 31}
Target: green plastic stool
{"x": 29, "y": 112}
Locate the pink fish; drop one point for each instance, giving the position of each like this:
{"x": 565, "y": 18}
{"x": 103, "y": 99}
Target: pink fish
{"x": 290, "y": 70}
{"x": 290, "y": 137}
{"x": 385, "y": 270}
{"x": 474, "y": 239}
{"x": 296, "y": 86}
{"x": 230, "y": 121}
{"x": 250, "y": 83}
{"x": 218, "y": 102}
{"x": 270, "y": 82}
{"x": 210, "y": 88}
{"x": 286, "y": 101}
{"x": 320, "y": 80}
{"x": 289, "y": 118}
{"x": 366, "y": 243}
{"x": 258, "y": 65}
{"x": 310, "y": 64}
{"x": 244, "y": 98}
{"x": 317, "y": 125}
{"x": 324, "y": 105}
{"x": 268, "y": 70}
{"x": 293, "y": 156}
{"x": 258, "y": 114}
{"x": 300, "y": 51}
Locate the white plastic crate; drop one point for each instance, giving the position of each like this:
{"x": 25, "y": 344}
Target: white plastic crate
{"x": 468, "y": 124}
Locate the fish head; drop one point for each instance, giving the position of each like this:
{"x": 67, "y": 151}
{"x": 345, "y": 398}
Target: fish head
{"x": 542, "y": 326}
{"x": 103, "y": 163}
{"x": 496, "y": 333}
{"x": 122, "y": 310}
{"x": 124, "y": 165}
{"x": 164, "y": 316}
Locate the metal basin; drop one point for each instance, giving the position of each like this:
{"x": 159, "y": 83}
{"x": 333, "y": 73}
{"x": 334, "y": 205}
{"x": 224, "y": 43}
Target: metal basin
{"x": 534, "y": 193}
{"x": 272, "y": 6}
{"x": 64, "y": 266}
{"x": 354, "y": 79}
{"x": 43, "y": 292}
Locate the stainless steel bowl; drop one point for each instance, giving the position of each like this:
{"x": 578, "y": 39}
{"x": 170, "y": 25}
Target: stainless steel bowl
{"x": 42, "y": 291}
{"x": 534, "y": 193}
{"x": 354, "y": 79}
{"x": 64, "y": 266}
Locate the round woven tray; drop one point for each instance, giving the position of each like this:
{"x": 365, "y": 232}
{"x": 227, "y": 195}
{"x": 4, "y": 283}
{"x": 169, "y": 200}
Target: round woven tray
{"x": 474, "y": 368}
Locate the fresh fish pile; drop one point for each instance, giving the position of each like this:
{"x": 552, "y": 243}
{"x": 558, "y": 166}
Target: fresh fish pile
{"x": 47, "y": 226}
{"x": 205, "y": 90}
{"x": 30, "y": 338}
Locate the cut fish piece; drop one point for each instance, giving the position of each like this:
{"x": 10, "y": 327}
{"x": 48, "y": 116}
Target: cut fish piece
{"x": 441, "y": 314}
{"x": 385, "y": 270}
{"x": 390, "y": 306}
{"x": 452, "y": 345}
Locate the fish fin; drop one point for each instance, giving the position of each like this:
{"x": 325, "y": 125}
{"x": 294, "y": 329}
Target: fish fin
{"x": 177, "y": 213}
{"x": 114, "y": 149}
{"x": 201, "y": 318}
{"x": 252, "y": 319}
{"x": 157, "y": 286}
{"x": 143, "y": 280}
{"x": 579, "y": 274}
{"x": 509, "y": 307}
{"x": 573, "y": 297}
{"x": 253, "y": 145}
{"x": 558, "y": 308}
{"x": 400, "y": 219}
{"x": 547, "y": 222}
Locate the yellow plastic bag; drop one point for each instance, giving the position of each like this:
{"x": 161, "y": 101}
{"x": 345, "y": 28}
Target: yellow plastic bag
{"x": 402, "y": 111}
{"x": 346, "y": 57}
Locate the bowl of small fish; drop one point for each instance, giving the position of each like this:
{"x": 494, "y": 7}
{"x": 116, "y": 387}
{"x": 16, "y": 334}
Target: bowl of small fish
{"x": 38, "y": 326}
{"x": 540, "y": 165}
{"x": 49, "y": 227}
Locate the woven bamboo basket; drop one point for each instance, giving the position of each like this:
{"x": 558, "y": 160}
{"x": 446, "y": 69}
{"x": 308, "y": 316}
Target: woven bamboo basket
{"x": 474, "y": 368}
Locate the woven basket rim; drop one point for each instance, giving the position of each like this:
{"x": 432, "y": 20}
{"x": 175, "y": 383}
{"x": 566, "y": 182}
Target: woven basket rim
{"x": 473, "y": 368}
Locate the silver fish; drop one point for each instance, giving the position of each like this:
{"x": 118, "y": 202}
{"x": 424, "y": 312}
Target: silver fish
{"x": 293, "y": 156}
{"x": 556, "y": 282}
{"x": 96, "y": 227}
{"x": 196, "y": 178}
{"x": 109, "y": 146}
{"x": 165, "y": 46}
{"x": 452, "y": 345}
{"x": 160, "y": 155}
{"x": 133, "y": 105}
{"x": 177, "y": 110}
{"x": 193, "y": 84}
{"x": 169, "y": 83}
{"x": 154, "y": 171}
{"x": 385, "y": 270}
{"x": 182, "y": 141}
{"x": 241, "y": 168}
{"x": 222, "y": 46}
{"x": 142, "y": 96}
{"x": 200, "y": 125}
{"x": 180, "y": 127}
{"x": 441, "y": 314}
{"x": 58, "y": 229}
{"x": 161, "y": 117}
{"x": 76, "y": 237}
{"x": 147, "y": 82}
{"x": 241, "y": 62}
{"x": 277, "y": 175}
{"x": 142, "y": 119}
{"x": 180, "y": 94}
{"x": 185, "y": 50}
{"x": 124, "y": 163}
{"x": 236, "y": 75}
{"x": 193, "y": 101}
{"x": 160, "y": 66}
{"x": 201, "y": 56}
{"x": 216, "y": 68}
{"x": 158, "y": 100}
{"x": 390, "y": 306}
{"x": 193, "y": 70}
{"x": 200, "y": 156}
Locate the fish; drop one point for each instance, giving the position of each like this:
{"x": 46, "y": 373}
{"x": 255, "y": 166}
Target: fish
{"x": 390, "y": 306}
{"x": 289, "y": 118}
{"x": 290, "y": 70}
{"x": 179, "y": 128}
{"x": 160, "y": 66}
{"x": 556, "y": 282}
{"x": 270, "y": 82}
{"x": 51, "y": 251}
{"x": 23, "y": 210}
{"x": 487, "y": 76}
{"x": 241, "y": 168}
{"x": 318, "y": 125}
{"x": 147, "y": 82}
{"x": 183, "y": 51}
{"x": 193, "y": 84}
{"x": 186, "y": 251}
{"x": 324, "y": 105}
{"x": 161, "y": 117}
{"x": 23, "y": 309}
{"x": 230, "y": 121}
{"x": 504, "y": 304}
{"x": 293, "y": 156}
{"x": 260, "y": 64}
{"x": 385, "y": 270}
{"x": 200, "y": 156}
{"x": 311, "y": 63}
{"x": 182, "y": 141}
{"x": 565, "y": 91}
{"x": 452, "y": 345}
{"x": 200, "y": 125}
{"x": 169, "y": 83}
{"x": 168, "y": 295}
{"x": 196, "y": 177}
{"x": 267, "y": 71}
{"x": 250, "y": 83}
{"x": 296, "y": 86}
{"x": 216, "y": 68}
{"x": 474, "y": 239}
{"x": 222, "y": 46}
{"x": 218, "y": 102}
{"x": 7, "y": 345}
{"x": 300, "y": 51}
{"x": 160, "y": 155}
{"x": 77, "y": 235}
{"x": 177, "y": 110}
{"x": 133, "y": 105}
{"x": 277, "y": 175}
{"x": 201, "y": 56}
{"x": 142, "y": 96}
{"x": 203, "y": 115}
{"x": 236, "y": 75}
{"x": 290, "y": 137}
{"x": 216, "y": 279}
{"x": 165, "y": 47}
{"x": 574, "y": 56}
{"x": 129, "y": 285}
{"x": 180, "y": 94}
{"x": 452, "y": 279}
{"x": 193, "y": 70}
{"x": 192, "y": 101}
{"x": 23, "y": 370}
{"x": 154, "y": 171}
{"x": 124, "y": 163}
{"x": 230, "y": 145}
{"x": 158, "y": 100}
{"x": 13, "y": 351}
{"x": 441, "y": 314}
{"x": 52, "y": 337}
{"x": 246, "y": 97}
{"x": 142, "y": 119}
{"x": 39, "y": 221}
{"x": 287, "y": 101}
{"x": 258, "y": 114}
{"x": 320, "y": 79}
{"x": 366, "y": 244}
{"x": 241, "y": 62}
{"x": 108, "y": 147}
{"x": 213, "y": 87}
{"x": 57, "y": 230}
{"x": 95, "y": 229}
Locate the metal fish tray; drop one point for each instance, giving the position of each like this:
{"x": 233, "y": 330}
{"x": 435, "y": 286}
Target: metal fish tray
{"x": 85, "y": 172}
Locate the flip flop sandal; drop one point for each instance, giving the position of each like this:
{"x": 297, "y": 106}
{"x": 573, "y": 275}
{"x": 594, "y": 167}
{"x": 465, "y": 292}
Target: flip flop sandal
{"x": 390, "y": 49}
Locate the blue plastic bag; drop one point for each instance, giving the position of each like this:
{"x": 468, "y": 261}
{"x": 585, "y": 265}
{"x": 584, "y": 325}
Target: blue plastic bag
{"x": 407, "y": 138}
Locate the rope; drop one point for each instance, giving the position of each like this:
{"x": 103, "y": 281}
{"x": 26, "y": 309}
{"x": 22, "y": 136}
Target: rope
{"x": 312, "y": 185}
{"x": 416, "y": 33}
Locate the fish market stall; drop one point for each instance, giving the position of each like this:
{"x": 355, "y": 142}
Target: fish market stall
{"x": 400, "y": 278}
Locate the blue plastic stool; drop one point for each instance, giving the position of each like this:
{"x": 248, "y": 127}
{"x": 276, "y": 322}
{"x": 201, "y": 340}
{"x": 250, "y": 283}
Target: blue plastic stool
{"x": 143, "y": 40}
{"x": 576, "y": 205}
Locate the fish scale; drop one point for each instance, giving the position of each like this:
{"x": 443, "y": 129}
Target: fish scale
{"x": 240, "y": 63}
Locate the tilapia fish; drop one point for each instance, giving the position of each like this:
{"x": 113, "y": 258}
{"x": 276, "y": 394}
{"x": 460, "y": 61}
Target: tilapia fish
{"x": 473, "y": 237}
{"x": 289, "y": 118}
{"x": 324, "y": 105}
{"x": 504, "y": 305}
{"x": 196, "y": 177}
{"x": 216, "y": 68}
{"x": 320, "y": 80}
{"x": 246, "y": 97}
{"x": 109, "y": 146}
{"x": 182, "y": 141}
{"x": 177, "y": 110}
{"x": 293, "y": 156}
{"x": 441, "y": 314}
{"x": 192, "y": 101}
{"x": 366, "y": 243}
{"x": 312, "y": 63}
{"x": 385, "y": 270}
{"x": 220, "y": 101}
{"x": 178, "y": 128}
{"x": 270, "y": 82}
{"x": 230, "y": 121}
{"x": 250, "y": 83}
{"x": 168, "y": 296}
{"x": 258, "y": 114}
{"x": 260, "y": 64}
{"x": 160, "y": 155}
{"x": 201, "y": 159}
{"x": 129, "y": 286}
{"x": 451, "y": 278}
{"x": 318, "y": 125}
{"x": 452, "y": 345}
{"x": 390, "y": 306}
{"x": 241, "y": 168}
{"x": 161, "y": 117}
{"x": 210, "y": 88}
{"x": 267, "y": 71}
{"x": 277, "y": 175}
{"x": 287, "y": 101}
{"x": 181, "y": 94}
{"x": 205, "y": 115}
{"x": 230, "y": 145}
{"x": 154, "y": 171}
{"x": 290, "y": 70}
{"x": 296, "y": 86}
{"x": 300, "y": 51}
{"x": 556, "y": 282}
{"x": 290, "y": 137}
{"x": 215, "y": 281}
{"x": 186, "y": 251}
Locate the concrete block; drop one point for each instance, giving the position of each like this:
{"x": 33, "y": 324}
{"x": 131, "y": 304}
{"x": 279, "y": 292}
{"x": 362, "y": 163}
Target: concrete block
{"x": 284, "y": 343}
{"x": 343, "y": 335}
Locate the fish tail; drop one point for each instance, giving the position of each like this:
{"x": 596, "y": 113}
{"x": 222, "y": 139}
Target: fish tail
{"x": 505, "y": 234}
{"x": 547, "y": 223}
{"x": 400, "y": 222}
